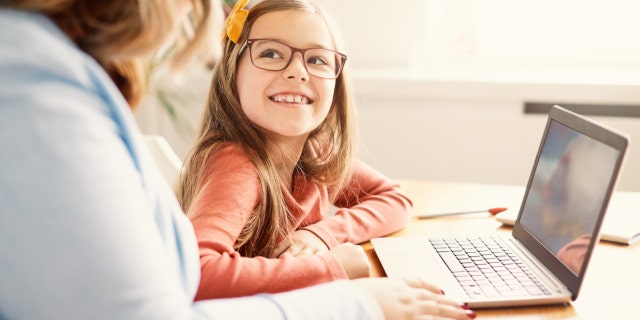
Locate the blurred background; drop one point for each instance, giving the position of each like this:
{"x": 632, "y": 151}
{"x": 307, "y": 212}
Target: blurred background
{"x": 457, "y": 90}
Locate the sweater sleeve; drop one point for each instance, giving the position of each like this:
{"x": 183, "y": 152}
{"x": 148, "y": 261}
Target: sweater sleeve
{"x": 219, "y": 211}
{"x": 335, "y": 300}
{"x": 370, "y": 205}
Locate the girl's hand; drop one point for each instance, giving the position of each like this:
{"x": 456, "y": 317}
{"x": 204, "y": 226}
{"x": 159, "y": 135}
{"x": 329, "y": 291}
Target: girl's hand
{"x": 302, "y": 242}
{"x": 412, "y": 299}
{"x": 353, "y": 259}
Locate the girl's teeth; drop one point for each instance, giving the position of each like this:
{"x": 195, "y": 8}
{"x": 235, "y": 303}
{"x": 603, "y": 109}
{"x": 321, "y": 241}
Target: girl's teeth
{"x": 291, "y": 99}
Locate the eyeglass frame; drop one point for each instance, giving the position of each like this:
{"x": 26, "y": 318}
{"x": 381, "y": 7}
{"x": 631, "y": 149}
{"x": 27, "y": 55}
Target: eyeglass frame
{"x": 248, "y": 43}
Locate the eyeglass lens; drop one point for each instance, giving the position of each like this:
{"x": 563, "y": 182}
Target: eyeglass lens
{"x": 275, "y": 56}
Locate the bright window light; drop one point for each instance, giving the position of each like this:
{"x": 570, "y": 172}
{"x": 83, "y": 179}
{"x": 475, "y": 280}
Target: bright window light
{"x": 583, "y": 40}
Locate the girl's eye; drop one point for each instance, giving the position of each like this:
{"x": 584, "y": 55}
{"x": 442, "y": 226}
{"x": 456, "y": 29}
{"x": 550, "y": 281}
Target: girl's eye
{"x": 317, "y": 60}
{"x": 270, "y": 53}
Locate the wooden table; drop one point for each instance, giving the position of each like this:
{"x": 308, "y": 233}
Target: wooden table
{"x": 612, "y": 285}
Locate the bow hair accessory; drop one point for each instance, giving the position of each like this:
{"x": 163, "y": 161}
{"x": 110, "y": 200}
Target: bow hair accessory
{"x": 235, "y": 20}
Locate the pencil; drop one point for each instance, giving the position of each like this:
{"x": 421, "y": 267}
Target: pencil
{"x": 493, "y": 211}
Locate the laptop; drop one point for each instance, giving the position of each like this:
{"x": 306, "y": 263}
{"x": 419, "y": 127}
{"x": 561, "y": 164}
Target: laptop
{"x": 545, "y": 258}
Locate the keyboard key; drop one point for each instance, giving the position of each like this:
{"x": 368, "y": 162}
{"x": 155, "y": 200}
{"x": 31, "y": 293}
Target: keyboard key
{"x": 451, "y": 261}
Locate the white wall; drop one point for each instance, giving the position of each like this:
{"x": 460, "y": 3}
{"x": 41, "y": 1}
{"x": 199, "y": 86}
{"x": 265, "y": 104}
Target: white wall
{"x": 471, "y": 131}
{"x": 441, "y": 83}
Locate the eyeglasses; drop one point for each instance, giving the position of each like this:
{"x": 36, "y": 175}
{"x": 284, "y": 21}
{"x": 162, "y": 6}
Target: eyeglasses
{"x": 275, "y": 56}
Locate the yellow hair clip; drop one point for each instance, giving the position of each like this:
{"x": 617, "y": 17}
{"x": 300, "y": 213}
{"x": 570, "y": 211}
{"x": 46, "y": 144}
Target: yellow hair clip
{"x": 235, "y": 20}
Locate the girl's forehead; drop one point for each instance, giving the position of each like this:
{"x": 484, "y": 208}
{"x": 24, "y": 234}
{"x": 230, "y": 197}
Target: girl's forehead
{"x": 297, "y": 28}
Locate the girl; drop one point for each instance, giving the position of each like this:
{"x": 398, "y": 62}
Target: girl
{"x": 275, "y": 150}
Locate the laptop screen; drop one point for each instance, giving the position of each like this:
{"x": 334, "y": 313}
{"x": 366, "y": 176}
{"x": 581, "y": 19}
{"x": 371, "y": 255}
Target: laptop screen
{"x": 567, "y": 193}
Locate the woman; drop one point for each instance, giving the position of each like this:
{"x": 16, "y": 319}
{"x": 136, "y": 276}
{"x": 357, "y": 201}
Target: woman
{"x": 88, "y": 227}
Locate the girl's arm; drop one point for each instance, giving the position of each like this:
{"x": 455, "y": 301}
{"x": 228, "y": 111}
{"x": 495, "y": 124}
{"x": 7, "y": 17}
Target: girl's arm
{"x": 219, "y": 212}
{"x": 370, "y": 205}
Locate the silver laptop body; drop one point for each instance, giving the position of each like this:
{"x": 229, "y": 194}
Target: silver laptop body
{"x": 553, "y": 238}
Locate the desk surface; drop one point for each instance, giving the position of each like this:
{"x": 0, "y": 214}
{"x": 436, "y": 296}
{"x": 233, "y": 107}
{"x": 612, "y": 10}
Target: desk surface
{"x": 613, "y": 276}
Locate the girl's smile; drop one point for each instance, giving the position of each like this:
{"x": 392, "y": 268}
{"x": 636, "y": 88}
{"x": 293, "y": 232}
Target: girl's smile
{"x": 291, "y": 99}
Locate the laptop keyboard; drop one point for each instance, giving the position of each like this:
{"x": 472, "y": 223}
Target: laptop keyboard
{"x": 486, "y": 267}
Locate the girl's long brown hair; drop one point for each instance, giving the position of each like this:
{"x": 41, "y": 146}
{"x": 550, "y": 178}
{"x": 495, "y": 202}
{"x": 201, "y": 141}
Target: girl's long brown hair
{"x": 326, "y": 157}
{"x": 122, "y": 35}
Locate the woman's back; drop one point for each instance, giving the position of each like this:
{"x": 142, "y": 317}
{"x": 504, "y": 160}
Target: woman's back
{"x": 75, "y": 180}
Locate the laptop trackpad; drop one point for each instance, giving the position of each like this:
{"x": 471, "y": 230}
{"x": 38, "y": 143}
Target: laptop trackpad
{"x": 413, "y": 257}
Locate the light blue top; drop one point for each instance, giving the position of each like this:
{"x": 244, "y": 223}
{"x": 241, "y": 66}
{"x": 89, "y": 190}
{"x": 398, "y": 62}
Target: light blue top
{"x": 88, "y": 227}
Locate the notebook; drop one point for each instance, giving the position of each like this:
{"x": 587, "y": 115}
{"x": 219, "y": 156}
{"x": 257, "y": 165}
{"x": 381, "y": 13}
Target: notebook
{"x": 544, "y": 260}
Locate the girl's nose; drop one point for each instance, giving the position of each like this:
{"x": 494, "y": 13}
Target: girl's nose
{"x": 296, "y": 68}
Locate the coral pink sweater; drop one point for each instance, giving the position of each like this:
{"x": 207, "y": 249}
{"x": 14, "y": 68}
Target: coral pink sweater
{"x": 369, "y": 206}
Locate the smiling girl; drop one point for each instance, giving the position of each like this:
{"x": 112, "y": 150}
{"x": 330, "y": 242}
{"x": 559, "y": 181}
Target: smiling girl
{"x": 275, "y": 152}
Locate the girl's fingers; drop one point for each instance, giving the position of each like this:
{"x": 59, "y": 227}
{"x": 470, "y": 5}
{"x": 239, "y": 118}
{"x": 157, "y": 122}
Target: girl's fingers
{"x": 298, "y": 250}
{"x": 294, "y": 250}
{"x": 280, "y": 250}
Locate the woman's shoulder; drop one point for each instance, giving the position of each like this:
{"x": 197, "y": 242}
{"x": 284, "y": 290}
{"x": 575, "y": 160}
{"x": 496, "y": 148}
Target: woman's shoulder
{"x": 31, "y": 41}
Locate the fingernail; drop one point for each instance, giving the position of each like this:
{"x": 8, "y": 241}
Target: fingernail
{"x": 442, "y": 291}
{"x": 470, "y": 314}
{"x": 465, "y": 306}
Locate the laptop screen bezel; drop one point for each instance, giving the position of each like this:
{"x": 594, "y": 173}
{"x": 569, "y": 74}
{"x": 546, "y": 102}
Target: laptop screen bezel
{"x": 600, "y": 133}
